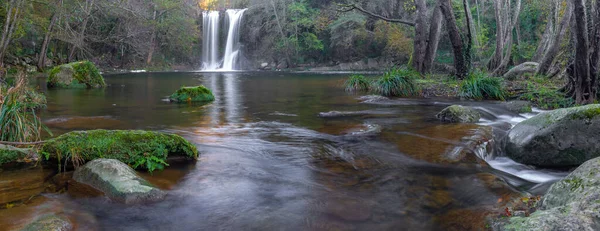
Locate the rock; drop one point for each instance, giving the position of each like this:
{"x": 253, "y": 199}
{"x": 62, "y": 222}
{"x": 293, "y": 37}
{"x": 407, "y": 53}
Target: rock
{"x": 264, "y": 65}
{"x": 570, "y": 204}
{"x": 459, "y": 114}
{"x": 561, "y": 138}
{"x": 117, "y": 181}
{"x": 374, "y": 99}
{"x": 22, "y": 184}
{"x": 192, "y": 94}
{"x": 84, "y": 123}
{"x": 50, "y": 223}
{"x": 142, "y": 149}
{"x": 335, "y": 114}
{"x": 12, "y": 155}
{"x": 82, "y": 74}
{"x": 527, "y": 67}
{"x": 519, "y": 106}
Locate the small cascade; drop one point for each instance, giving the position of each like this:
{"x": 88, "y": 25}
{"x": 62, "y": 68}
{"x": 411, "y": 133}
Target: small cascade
{"x": 210, "y": 52}
{"x": 210, "y": 46}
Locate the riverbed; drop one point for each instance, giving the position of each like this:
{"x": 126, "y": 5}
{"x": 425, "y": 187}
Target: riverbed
{"x": 268, "y": 161}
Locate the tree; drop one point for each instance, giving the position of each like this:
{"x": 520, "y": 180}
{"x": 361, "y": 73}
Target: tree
{"x": 13, "y": 12}
{"x": 505, "y": 25}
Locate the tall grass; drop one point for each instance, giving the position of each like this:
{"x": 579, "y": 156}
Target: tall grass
{"x": 397, "y": 82}
{"x": 357, "y": 83}
{"x": 479, "y": 86}
{"x": 18, "y": 119}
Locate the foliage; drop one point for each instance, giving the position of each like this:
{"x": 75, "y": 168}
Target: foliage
{"x": 547, "y": 98}
{"x": 397, "y": 82}
{"x": 479, "y": 86}
{"x": 83, "y": 74}
{"x": 140, "y": 149}
{"x": 193, "y": 94}
{"x": 357, "y": 83}
{"x": 19, "y": 121}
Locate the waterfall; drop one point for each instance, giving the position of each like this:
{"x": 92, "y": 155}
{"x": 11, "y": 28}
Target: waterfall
{"x": 210, "y": 57}
{"x": 210, "y": 46}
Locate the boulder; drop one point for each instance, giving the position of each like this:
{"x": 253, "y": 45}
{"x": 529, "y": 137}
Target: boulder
{"x": 140, "y": 149}
{"x": 117, "y": 181}
{"x": 570, "y": 204}
{"x": 82, "y": 74}
{"x": 459, "y": 114}
{"x": 560, "y": 138}
{"x": 519, "y": 106}
{"x": 192, "y": 94}
{"x": 22, "y": 184}
{"x": 10, "y": 154}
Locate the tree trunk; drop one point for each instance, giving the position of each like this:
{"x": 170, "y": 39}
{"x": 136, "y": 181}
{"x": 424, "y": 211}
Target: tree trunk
{"x": 420, "y": 41}
{"x": 13, "y": 10}
{"x": 554, "y": 45}
{"x": 435, "y": 30}
{"x": 595, "y": 47}
{"x": 497, "y": 57}
{"x": 585, "y": 92}
{"x": 43, "y": 52}
{"x": 460, "y": 63}
{"x": 152, "y": 41}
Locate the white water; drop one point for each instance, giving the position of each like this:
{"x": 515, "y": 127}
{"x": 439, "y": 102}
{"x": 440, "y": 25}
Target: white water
{"x": 210, "y": 46}
{"x": 210, "y": 51}
{"x": 232, "y": 49}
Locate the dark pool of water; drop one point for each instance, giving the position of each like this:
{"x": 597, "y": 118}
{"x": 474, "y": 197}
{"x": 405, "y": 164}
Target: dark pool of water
{"x": 268, "y": 162}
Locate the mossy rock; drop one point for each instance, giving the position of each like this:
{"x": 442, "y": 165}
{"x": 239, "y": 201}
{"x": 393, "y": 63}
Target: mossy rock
{"x": 139, "y": 149}
{"x": 10, "y": 154}
{"x": 50, "y": 222}
{"x": 560, "y": 138}
{"x": 459, "y": 114}
{"x": 193, "y": 94}
{"x": 83, "y": 74}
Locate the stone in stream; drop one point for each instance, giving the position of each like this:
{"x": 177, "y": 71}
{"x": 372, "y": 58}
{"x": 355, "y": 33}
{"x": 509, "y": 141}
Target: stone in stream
{"x": 22, "y": 184}
{"x": 83, "y": 74}
{"x": 50, "y": 222}
{"x": 518, "y": 106}
{"x": 570, "y": 204}
{"x": 459, "y": 114}
{"x": 117, "y": 181}
{"x": 560, "y": 138}
{"x": 192, "y": 94}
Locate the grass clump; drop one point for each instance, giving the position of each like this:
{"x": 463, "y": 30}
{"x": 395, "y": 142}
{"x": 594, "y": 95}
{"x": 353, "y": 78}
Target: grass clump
{"x": 139, "y": 149}
{"x": 18, "y": 118}
{"x": 546, "y": 98}
{"x": 83, "y": 74}
{"x": 193, "y": 94}
{"x": 357, "y": 83}
{"x": 398, "y": 82}
{"x": 479, "y": 86}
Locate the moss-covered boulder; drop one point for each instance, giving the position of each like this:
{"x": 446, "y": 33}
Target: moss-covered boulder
{"x": 459, "y": 114}
{"x": 51, "y": 222}
{"x": 560, "y": 138}
{"x": 83, "y": 74}
{"x": 117, "y": 181}
{"x": 193, "y": 94}
{"x": 571, "y": 204}
{"x": 10, "y": 154}
{"x": 139, "y": 149}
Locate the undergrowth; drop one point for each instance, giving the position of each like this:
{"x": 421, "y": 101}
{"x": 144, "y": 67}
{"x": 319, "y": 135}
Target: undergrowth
{"x": 357, "y": 83}
{"x": 479, "y": 86}
{"x": 398, "y": 82}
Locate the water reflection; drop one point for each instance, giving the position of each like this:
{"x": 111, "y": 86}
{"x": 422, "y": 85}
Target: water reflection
{"x": 227, "y": 105}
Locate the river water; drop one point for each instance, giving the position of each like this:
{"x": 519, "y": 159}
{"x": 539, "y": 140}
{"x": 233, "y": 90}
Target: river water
{"x": 269, "y": 162}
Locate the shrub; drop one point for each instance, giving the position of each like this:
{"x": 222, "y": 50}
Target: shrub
{"x": 397, "y": 82}
{"x": 139, "y": 149}
{"x": 357, "y": 83}
{"x": 18, "y": 119}
{"x": 193, "y": 94}
{"x": 479, "y": 86}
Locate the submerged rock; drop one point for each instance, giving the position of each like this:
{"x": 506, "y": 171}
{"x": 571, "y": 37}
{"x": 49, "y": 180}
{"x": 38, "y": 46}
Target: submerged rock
{"x": 50, "y": 223}
{"x": 117, "y": 181}
{"x": 83, "y": 74}
{"x": 193, "y": 94}
{"x": 22, "y": 184}
{"x": 561, "y": 138}
{"x": 570, "y": 204}
{"x": 519, "y": 106}
{"x": 141, "y": 149}
{"x": 459, "y": 114}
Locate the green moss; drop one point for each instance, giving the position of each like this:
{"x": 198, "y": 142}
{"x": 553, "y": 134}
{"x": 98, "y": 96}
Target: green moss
{"x": 193, "y": 94}
{"x": 139, "y": 149}
{"x": 83, "y": 74}
{"x": 587, "y": 112}
{"x": 9, "y": 154}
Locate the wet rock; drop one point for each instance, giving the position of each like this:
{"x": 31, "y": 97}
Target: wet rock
{"x": 22, "y": 184}
{"x": 50, "y": 223}
{"x": 10, "y": 155}
{"x": 570, "y": 204}
{"x": 82, "y": 74}
{"x": 349, "y": 210}
{"x": 366, "y": 130}
{"x": 561, "y": 138}
{"x": 85, "y": 123}
{"x": 373, "y": 99}
{"x": 118, "y": 181}
{"x": 334, "y": 114}
{"x": 459, "y": 114}
{"x": 192, "y": 94}
{"x": 519, "y": 106}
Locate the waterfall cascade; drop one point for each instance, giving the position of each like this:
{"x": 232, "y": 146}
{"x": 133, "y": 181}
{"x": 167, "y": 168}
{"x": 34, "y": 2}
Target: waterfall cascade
{"x": 210, "y": 48}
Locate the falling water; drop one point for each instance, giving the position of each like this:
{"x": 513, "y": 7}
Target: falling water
{"x": 233, "y": 40}
{"x": 210, "y": 48}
